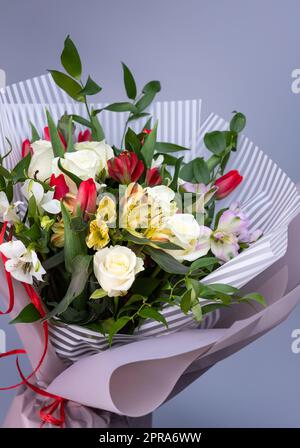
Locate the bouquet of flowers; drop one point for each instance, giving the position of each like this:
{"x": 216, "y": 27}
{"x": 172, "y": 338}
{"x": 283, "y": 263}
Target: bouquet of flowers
{"x": 117, "y": 242}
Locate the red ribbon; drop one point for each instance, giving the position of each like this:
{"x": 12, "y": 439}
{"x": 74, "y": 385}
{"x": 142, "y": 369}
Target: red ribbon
{"x": 46, "y": 412}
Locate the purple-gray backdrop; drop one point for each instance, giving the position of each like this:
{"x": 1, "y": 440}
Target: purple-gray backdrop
{"x": 232, "y": 54}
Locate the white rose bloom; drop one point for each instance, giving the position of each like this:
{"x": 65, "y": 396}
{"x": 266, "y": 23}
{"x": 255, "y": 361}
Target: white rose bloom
{"x": 115, "y": 268}
{"x": 188, "y": 234}
{"x": 22, "y": 263}
{"x": 41, "y": 160}
{"x": 102, "y": 150}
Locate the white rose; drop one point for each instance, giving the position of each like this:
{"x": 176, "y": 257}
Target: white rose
{"x": 103, "y": 151}
{"x": 115, "y": 268}
{"x": 41, "y": 160}
{"x": 187, "y": 233}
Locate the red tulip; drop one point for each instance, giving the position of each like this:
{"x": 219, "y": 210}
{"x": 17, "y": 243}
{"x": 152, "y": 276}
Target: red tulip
{"x": 85, "y": 136}
{"x": 26, "y": 148}
{"x": 47, "y": 136}
{"x": 147, "y": 131}
{"x": 86, "y": 198}
{"x": 61, "y": 188}
{"x": 227, "y": 183}
{"x": 153, "y": 177}
{"x": 125, "y": 168}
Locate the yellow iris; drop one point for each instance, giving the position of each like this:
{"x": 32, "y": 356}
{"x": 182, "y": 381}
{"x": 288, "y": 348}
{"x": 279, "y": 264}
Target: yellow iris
{"x": 98, "y": 236}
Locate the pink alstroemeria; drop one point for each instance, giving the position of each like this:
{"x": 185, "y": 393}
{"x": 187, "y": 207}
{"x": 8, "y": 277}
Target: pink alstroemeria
{"x": 86, "y": 198}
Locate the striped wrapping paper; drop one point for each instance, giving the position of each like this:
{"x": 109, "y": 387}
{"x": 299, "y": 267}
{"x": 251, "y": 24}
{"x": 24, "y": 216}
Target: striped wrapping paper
{"x": 267, "y": 195}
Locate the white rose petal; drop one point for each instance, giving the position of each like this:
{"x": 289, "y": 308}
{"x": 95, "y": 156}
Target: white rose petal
{"x": 115, "y": 268}
{"x": 41, "y": 160}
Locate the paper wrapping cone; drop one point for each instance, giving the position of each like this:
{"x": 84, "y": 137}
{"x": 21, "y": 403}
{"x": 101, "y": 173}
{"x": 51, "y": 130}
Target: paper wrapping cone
{"x": 135, "y": 379}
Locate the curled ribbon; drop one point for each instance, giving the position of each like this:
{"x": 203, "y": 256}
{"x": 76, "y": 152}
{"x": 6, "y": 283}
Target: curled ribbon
{"x": 46, "y": 413}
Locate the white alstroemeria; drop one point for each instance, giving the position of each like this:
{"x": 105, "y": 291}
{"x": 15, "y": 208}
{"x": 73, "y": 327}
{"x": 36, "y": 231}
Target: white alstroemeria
{"x": 22, "y": 263}
{"x": 43, "y": 200}
{"x": 7, "y": 210}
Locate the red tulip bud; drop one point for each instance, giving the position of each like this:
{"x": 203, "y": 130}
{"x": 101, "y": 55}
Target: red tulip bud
{"x": 147, "y": 131}
{"x": 26, "y": 148}
{"x": 86, "y": 198}
{"x": 153, "y": 177}
{"x": 85, "y": 136}
{"x": 227, "y": 183}
{"x": 47, "y": 136}
{"x": 61, "y": 188}
{"x": 125, "y": 168}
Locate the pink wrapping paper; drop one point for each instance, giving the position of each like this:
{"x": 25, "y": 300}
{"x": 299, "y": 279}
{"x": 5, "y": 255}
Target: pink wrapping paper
{"x": 105, "y": 389}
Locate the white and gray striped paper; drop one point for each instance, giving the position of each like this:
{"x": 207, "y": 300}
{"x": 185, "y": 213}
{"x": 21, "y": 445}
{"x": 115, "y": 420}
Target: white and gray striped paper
{"x": 267, "y": 195}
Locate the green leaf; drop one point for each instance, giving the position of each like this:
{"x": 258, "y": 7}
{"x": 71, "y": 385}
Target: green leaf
{"x": 238, "y": 122}
{"x": 223, "y": 288}
{"x": 70, "y": 59}
{"x": 203, "y": 262}
{"x": 74, "y": 241}
{"x": 201, "y": 171}
{"x": 97, "y": 131}
{"x": 58, "y": 148}
{"x": 98, "y": 294}
{"x": 197, "y": 312}
{"x": 215, "y": 141}
{"x": 20, "y": 170}
{"x": 70, "y": 144}
{"x": 144, "y": 102}
{"x": 165, "y": 147}
{"x": 149, "y": 146}
{"x": 187, "y": 172}
{"x": 256, "y": 297}
{"x": 54, "y": 261}
{"x": 5, "y": 173}
{"x": 145, "y": 286}
{"x": 174, "y": 183}
{"x": 33, "y": 233}
{"x": 142, "y": 240}
{"x": 152, "y": 87}
{"x": 34, "y": 133}
{"x": 117, "y": 326}
{"x": 129, "y": 82}
{"x": 28, "y": 315}
{"x": 80, "y": 273}
{"x": 90, "y": 88}
{"x": 81, "y": 120}
{"x": 71, "y": 87}
{"x": 121, "y": 107}
{"x": 72, "y": 176}
{"x": 138, "y": 116}
{"x": 185, "y": 301}
{"x": 151, "y": 313}
{"x": 132, "y": 142}
{"x": 166, "y": 261}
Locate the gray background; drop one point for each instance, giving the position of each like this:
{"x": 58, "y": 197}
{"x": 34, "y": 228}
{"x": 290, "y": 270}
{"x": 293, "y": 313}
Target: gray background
{"x": 232, "y": 54}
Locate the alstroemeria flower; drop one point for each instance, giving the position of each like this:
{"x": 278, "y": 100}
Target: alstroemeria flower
{"x": 43, "y": 200}
{"x": 125, "y": 168}
{"x": 22, "y": 263}
{"x": 85, "y": 136}
{"x": 153, "y": 177}
{"x": 224, "y": 245}
{"x": 86, "y": 198}
{"x": 7, "y": 210}
{"x": 61, "y": 187}
{"x": 26, "y": 148}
